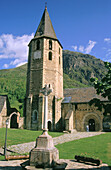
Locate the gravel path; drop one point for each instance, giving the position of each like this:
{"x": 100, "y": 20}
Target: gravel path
{"x": 26, "y": 147}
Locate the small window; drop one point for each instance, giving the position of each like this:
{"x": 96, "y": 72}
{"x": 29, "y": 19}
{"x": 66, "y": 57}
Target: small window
{"x": 38, "y": 44}
{"x": 35, "y": 116}
{"x": 49, "y": 85}
{"x": 50, "y": 55}
{"x": 59, "y": 50}
{"x": 50, "y": 44}
{"x": 59, "y": 60}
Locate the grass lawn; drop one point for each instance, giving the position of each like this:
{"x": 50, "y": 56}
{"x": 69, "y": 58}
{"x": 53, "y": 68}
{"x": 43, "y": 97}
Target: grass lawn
{"x": 17, "y": 136}
{"x": 96, "y": 147}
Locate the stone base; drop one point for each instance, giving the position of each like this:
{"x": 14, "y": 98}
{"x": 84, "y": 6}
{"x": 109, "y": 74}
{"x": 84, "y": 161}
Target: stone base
{"x": 44, "y": 154}
{"x": 67, "y": 164}
{"x": 43, "y": 157}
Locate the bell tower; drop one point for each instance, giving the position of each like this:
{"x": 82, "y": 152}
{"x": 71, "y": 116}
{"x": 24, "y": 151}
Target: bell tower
{"x": 45, "y": 66}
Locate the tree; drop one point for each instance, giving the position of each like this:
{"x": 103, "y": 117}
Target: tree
{"x": 103, "y": 87}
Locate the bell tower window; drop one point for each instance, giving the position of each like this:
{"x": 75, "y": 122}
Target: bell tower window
{"x": 59, "y": 60}
{"x": 38, "y": 44}
{"x": 50, "y": 55}
{"x": 59, "y": 50}
{"x": 50, "y": 44}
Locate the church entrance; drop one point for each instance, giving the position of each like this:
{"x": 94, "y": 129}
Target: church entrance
{"x": 13, "y": 121}
{"x": 49, "y": 125}
{"x": 91, "y": 125}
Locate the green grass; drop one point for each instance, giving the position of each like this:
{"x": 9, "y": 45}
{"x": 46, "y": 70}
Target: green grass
{"x": 96, "y": 147}
{"x": 17, "y": 136}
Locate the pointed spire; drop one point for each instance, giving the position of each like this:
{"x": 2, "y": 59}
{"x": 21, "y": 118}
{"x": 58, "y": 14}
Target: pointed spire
{"x": 45, "y": 5}
{"x": 45, "y": 27}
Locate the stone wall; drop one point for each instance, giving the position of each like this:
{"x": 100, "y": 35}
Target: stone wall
{"x": 82, "y": 114}
{"x": 42, "y": 71}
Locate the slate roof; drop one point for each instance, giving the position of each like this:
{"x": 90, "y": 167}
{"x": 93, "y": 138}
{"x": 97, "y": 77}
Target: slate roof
{"x": 82, "y": 95}
{"x": 45, "y": 27}
{"x": 2, "y": 100}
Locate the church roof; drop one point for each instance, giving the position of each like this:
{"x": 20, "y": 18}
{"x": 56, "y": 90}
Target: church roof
{"x": 45, "y": 27}
{"x": 82, "y": 95}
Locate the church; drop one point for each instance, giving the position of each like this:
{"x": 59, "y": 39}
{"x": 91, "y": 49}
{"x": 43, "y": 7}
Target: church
{"x": 68, "y": 109}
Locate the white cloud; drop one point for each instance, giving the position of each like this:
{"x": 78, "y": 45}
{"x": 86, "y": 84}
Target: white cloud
{"x": 75, "y": 47}
{"x": 107, "y": 39}
{"x": 20, "y": 64}
{"x": 90, "y": 46}
{"x": 14, "y": 47}
{"x": 5, "y": 65}
{"x": 81, "y": 48}
{"x": 1, "y": 43}
{"x": 16, "y": 61}
{"x": 86, "y": 49}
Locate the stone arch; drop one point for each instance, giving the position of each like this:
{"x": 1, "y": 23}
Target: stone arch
{"x": 50, "y": 44}
{"x": 95, "y": 118}
{"x": 35, "y": 116}
{"x": 14, "y": 120}
{"x": 49, "y": 125}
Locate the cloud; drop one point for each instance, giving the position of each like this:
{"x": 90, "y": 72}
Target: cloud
{"x": 75, "y": 47}
{"x": 107, "y": 39}
{"x": 81, "y": 48}
{"x": 107, "y": 49}
{"x": 5, "y": 65}
{"x": 90, "y": 46}
{"x": 1, "y": 43}
{"x": 20, "y": 64}
{"x": 86, "y": 49}
{"x": 14, "y": 48}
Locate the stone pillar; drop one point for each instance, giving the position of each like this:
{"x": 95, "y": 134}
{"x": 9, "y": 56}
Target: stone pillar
{"x": 45, "y": 112}
{"x": 44, "y": 154}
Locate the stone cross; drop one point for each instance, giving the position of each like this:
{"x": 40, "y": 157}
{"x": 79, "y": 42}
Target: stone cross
{"x": 45, "y": 91}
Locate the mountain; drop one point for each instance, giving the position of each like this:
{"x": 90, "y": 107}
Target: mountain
{"x": 78, "y": 69}
{"x": 81, "y": 67}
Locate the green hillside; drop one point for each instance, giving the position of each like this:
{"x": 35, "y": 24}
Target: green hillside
{"x": 81, "y": 67}
{"x": 78, "y": 69}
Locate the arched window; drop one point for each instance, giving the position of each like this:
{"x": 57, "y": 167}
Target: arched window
{"x": 59, "y": 60}
{"x": 38, "y": 44}
{"x": 50, "y": 55}
{"x": 59, "y": 51}
{"x": 35, "y": 116}
{"x": 49, "y": 125}
{"x": 50, "y": 44}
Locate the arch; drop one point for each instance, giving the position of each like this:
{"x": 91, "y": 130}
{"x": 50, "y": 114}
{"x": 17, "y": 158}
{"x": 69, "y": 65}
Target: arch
{"x": 59, "y": 50}
{"x": 50, "y": 44}
{"x": 35, "y": 116}
{"x": 92, "y": 118}
{"x": 38, "y": 45}
{"x": 13, "y": 120}
{"x": 91, "y": 125}
{"x": 50, "y": 55}
{"x": 49, "y": 125}
{"x": 59, "y": 60}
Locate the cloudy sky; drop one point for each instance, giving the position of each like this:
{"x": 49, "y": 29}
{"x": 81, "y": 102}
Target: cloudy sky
{"x": 80, "y": 25}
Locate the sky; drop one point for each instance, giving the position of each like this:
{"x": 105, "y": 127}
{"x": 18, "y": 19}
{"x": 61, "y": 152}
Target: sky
{"x": 80, "y": 25}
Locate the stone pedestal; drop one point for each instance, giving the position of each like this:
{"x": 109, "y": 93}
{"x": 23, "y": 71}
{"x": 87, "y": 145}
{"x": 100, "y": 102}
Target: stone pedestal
{"x": 44, "y": 154}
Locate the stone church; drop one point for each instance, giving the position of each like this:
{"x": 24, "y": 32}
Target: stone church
{"x": 10, "y": 114}
{"x": 68, "y": 110}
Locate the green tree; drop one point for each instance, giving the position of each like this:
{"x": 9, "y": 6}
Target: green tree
{"x": 103, "y": 87}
